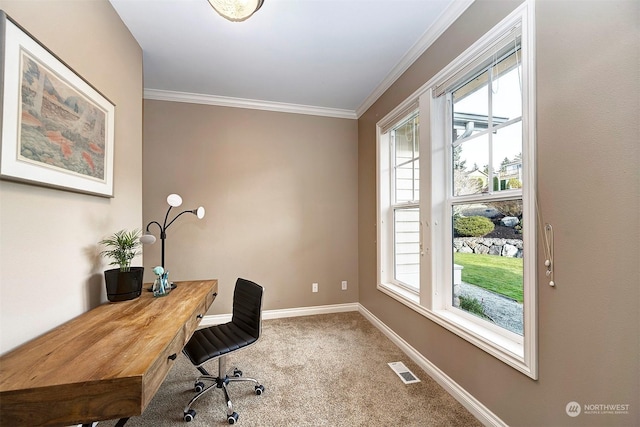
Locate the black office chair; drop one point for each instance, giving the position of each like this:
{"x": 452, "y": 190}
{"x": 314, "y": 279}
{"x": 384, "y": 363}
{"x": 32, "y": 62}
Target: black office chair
{"x": 220, "y": 340}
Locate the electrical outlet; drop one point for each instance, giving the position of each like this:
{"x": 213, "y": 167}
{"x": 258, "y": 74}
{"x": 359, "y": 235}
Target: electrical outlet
{"x": 314, "y": 287}
{"x": 344, "y": 285}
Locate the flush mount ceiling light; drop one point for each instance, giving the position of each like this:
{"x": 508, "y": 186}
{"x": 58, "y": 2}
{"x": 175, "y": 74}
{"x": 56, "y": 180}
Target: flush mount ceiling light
{"x": 236, "y": 10}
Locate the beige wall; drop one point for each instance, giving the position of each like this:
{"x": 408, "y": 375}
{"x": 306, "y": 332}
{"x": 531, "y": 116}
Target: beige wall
{"x": 588, "y": 187}
{"x": 49, "y": 271}
{"x": 280, "y": 192}
{"x": 291, "y": 200}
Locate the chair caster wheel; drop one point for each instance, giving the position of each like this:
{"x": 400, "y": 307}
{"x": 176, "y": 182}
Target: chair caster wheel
{"x": 237, "y": 373}
{"x": 259, "y": 389}
{"x": 189, "y": 415}
{"x": 231, "y": 419}
{"x": 198, "y": 387}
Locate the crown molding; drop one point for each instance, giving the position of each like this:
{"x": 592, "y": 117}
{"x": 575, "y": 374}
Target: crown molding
{"x": 446, "y": 18}
{"x": 444, "y": 21}
{"x": 223, "y": 101}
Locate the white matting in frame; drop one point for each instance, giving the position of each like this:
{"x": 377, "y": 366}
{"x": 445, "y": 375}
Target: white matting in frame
{"x": 57, "y": 130}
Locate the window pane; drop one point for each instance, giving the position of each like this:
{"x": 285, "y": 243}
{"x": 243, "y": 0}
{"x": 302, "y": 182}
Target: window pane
{"x": 407, "y": 246}
{"x": 406, "y": 139}
{"x": 471, "y": 107}
{"x": 506, "y": 90}
{"x": 507, "y": 158}
{"x": 470, "y": 166}
{"x": 487, "y": 266}
{"x": 407, "y": 181}
{"x": 406, "y": 162}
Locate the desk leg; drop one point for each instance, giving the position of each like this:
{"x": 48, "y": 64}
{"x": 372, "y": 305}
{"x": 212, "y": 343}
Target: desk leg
{"x": 121, "y": 422}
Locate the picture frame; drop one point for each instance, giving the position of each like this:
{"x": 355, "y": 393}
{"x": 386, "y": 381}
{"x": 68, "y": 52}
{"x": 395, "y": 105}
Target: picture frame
{"x": 57, "y": 129}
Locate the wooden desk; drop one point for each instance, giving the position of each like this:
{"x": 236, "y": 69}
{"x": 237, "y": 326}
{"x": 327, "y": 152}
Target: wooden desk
{"x": 107, "y": 363}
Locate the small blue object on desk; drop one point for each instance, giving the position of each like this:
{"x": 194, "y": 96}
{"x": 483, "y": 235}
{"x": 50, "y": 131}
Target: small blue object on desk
{"x": 161, "y": 285}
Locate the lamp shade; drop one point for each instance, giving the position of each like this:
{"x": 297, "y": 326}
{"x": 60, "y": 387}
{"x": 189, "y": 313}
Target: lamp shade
{"x": 236, "y": 10}
{"x": 148, "y": 239}
{"x": 174, "y": 200}
{"x": 200, "y": 212}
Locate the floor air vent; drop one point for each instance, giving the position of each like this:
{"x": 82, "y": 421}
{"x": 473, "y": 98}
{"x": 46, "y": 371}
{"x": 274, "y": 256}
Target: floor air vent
{"x": 403, "y": 372}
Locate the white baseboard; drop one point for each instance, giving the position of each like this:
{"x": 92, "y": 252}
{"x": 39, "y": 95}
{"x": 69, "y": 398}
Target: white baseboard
{"x": 481, "y": 412}
{"x": 217, "y": 319}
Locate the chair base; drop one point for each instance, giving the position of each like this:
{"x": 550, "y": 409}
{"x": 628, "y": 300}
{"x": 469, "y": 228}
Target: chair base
{"x": 221, "y": 383}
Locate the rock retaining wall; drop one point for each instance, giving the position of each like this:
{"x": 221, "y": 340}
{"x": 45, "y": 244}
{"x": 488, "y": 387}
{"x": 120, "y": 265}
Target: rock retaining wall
{"x": 479, "y": 245}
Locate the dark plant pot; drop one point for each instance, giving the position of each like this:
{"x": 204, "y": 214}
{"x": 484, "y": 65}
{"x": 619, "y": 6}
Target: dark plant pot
{"x": 123, "y": 285}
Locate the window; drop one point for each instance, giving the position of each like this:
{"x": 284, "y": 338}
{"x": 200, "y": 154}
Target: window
{"x": 460, "y": 247}
{"x": 405, "y": 202}
{"x": 401, "y": 198}
{"x": 486, "y": 113}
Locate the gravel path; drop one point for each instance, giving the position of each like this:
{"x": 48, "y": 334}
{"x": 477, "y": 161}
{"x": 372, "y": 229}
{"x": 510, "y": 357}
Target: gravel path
{"x": 504, "y": 311}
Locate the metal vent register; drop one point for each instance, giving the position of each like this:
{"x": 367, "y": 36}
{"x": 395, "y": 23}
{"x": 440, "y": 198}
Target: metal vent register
{"x": 403, "y": 372}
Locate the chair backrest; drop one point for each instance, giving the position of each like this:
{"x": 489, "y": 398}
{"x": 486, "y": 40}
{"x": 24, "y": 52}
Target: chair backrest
{"x": 247, "y": 307}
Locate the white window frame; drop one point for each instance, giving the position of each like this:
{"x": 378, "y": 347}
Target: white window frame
{"x": 386, "y": 192}
{"x": 432, "y": 300}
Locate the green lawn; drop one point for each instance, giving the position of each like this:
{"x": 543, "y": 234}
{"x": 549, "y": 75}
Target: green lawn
{"x": 502, "y": 275}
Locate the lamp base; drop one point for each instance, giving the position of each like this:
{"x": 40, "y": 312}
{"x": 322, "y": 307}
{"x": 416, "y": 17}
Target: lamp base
{"x": 173, "y": 286}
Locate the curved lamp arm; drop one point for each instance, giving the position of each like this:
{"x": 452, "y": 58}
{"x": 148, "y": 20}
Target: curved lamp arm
{"x": 173, "y": 200}
{"x": 193, "y": 211}
{"x": 147, "y": 237}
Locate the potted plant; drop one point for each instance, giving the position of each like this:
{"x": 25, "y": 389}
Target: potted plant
{"x": 125, "y": 282}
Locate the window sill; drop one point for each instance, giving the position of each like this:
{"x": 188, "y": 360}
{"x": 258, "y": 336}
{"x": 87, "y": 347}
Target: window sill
{"x": 402, "y": 294}
{"x": 501, "y": 347}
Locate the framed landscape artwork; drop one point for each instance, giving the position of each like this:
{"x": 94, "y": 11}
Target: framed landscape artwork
{"x": 57, "y": 130}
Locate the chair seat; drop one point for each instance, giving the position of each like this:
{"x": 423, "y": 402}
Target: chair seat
{"x": 216, "y": 341}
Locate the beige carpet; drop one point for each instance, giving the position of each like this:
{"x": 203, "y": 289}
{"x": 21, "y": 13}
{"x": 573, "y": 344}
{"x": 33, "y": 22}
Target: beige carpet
{"x": 325, "y": 370}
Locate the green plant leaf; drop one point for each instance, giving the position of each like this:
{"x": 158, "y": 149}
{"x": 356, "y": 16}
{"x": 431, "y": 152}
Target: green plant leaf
{"x": 122, "y": 247}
